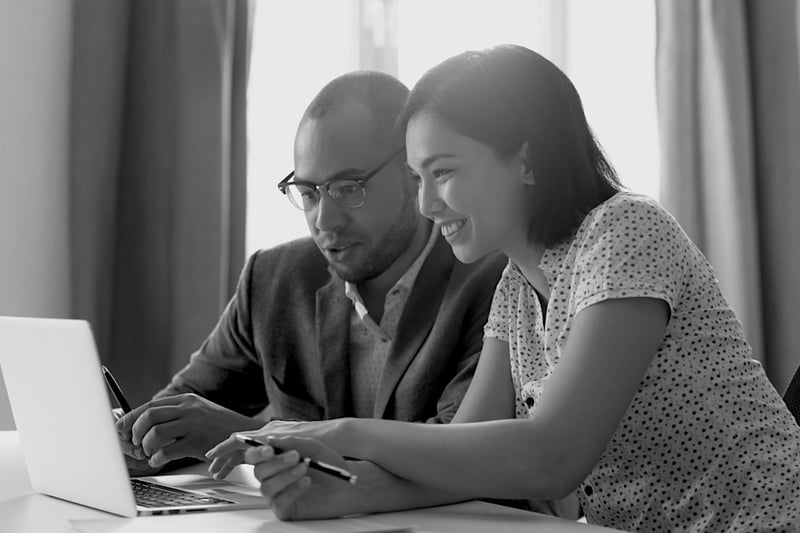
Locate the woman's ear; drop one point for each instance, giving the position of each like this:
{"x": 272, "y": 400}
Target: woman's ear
{"x": 524, "y": 159}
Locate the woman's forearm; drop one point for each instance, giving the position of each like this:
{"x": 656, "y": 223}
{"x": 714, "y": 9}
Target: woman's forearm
{"x": 380, "y": 491}
{"x": 547, "y": 455}
{"x": 493, "y": 458}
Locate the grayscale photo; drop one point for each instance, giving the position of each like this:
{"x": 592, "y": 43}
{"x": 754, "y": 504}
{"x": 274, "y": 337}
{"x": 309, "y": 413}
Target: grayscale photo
{"x": 386, "y": 266}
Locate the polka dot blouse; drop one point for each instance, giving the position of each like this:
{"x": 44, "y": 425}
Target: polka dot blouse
{"x": 707, "y": 443}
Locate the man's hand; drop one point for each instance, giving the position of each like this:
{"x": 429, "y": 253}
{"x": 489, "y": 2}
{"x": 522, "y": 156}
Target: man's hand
{"x": 134, "y": 457}
{"x": 295, "y": 491}
{"x": 136, "y": 466}
{"x": 179, "y": 426}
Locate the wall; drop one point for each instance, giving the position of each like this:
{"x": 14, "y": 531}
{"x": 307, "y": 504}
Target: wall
{"x": 34, "y": 98}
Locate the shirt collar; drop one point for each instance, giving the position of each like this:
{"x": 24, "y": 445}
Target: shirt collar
{"x": 553, "y": 258}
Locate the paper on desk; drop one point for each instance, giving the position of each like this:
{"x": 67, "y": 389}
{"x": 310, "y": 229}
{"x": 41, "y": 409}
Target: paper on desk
{"x": 256, "y": 521}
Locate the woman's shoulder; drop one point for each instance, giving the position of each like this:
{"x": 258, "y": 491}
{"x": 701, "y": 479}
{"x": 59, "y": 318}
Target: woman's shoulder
{"x": 626, "y": 202}
{"x": 627, "y": 212}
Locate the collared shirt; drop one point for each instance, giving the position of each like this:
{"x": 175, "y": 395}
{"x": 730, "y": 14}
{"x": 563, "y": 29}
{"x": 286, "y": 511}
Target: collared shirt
{"x": 370, "y": 342}
{"x": 706, "y": 443}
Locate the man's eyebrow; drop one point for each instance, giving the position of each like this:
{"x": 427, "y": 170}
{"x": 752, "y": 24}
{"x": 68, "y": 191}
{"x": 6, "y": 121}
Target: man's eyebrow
{"x": 345, "y": 172}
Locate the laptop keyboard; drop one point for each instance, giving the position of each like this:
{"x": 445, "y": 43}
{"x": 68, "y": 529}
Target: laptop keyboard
{"x": 148, "y": 494}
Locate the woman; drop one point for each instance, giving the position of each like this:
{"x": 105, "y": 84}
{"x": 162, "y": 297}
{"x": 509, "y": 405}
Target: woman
{"x": 608, "y": 336}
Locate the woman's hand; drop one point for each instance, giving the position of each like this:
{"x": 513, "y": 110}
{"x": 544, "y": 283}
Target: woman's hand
{"x": 229, "y": 453}
{"x": 297, "y": 492}
{"x": 294, "y": 490}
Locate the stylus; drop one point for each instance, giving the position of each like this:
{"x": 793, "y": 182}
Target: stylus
{"x": 341, "y": 473}
{"x": 115, "y": 390}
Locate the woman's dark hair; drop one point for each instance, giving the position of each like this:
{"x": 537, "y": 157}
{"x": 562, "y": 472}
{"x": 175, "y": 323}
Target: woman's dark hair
{"x": 507, "y": 95}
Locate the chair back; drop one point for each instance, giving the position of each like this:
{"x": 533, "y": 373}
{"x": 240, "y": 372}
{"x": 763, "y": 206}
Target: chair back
{"x": 792, "y": 395}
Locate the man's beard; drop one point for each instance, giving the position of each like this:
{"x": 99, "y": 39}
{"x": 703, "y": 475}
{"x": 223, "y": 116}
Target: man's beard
{"x": 394, "y": 243}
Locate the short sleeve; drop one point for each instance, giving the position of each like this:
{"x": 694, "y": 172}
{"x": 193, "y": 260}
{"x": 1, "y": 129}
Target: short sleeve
{"x": 497, "y": 324}
{"x": 631, "y": 248}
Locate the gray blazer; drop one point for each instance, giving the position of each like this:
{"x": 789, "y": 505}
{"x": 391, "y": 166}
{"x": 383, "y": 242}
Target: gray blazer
{"x": 282, "y": 340}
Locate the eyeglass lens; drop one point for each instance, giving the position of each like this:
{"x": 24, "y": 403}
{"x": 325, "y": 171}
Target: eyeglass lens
{"x": 347, "y": 193}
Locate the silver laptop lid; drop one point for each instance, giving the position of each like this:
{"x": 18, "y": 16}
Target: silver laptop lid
{"x": 63, "y": 413}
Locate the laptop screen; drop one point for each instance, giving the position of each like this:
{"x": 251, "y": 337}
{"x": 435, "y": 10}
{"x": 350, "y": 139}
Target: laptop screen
{"x": 63, "y": 413}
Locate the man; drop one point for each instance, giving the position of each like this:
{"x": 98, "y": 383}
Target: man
{"x": 372, "y": 316}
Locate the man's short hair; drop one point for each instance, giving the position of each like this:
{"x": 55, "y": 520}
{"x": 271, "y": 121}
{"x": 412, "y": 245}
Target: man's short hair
{"x": 383, "y": 94}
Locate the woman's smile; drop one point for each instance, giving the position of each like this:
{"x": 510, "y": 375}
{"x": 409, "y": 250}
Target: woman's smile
{"x": 449, "y": 229}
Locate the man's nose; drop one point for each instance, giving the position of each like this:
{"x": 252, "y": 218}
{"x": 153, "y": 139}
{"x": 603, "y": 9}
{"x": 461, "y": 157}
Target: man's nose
{"x": 328, "y": 215}
{"x": 430, "y": 203}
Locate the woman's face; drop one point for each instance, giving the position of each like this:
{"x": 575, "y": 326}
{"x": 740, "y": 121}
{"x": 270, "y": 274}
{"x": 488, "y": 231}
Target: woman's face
{"x": 478, "y": 198}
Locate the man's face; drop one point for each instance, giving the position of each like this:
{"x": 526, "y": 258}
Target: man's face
{"x": 359, "y": 243}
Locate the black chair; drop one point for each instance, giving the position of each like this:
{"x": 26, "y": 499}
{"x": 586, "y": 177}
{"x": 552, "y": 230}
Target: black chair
{"x": 792, "y": 395}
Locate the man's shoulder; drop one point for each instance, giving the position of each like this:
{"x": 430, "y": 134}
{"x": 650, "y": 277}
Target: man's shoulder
{"x": 490, "y": 267}
{"x": 494, "y": 262}
{"x": 299, "y": 258}
{"x": 483, "y": 272}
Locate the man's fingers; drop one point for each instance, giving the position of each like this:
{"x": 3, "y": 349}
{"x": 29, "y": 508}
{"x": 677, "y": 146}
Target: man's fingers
{"x": 152, "y": 417}
{"x": 126, "y": 422}
{"x": 137, "y": 467}
{"x": 130, "y": 450}
{"x": 168, "y": 452}
{"x": 159, "y": 435}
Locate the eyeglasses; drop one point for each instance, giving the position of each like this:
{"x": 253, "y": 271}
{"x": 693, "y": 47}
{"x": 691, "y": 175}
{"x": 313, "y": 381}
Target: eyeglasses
{"x": 347, "y": 191}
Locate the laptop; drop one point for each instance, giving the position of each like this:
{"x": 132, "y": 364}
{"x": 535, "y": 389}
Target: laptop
{"x": 66, "y": 428}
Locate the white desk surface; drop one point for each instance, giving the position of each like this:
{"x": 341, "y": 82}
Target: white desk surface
{"x": 23, "y": 511}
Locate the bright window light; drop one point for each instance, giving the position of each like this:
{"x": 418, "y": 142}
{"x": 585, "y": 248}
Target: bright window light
{"x": 607, "y": 48}
{"x": 611, "y": 54}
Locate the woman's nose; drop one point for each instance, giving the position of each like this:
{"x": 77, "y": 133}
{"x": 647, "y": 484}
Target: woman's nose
{"x": 430, "y": 203}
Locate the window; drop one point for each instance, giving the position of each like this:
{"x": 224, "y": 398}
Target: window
{"x": 293, "y": 56}
{"x": 607, "y": 48}
{"x": 610, "y": 57}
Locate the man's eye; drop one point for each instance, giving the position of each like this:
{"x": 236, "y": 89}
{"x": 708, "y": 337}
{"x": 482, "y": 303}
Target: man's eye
{"x": 441, "y": 173}
{"x": 348, "y": 188}
{"x": 306, "y": 192}
{"x": 415, "y": 178}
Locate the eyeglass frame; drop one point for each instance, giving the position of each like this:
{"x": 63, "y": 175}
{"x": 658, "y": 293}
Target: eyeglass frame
{"x": 360, "y": 179}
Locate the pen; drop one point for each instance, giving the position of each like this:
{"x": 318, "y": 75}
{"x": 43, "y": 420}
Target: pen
{"x": 335, "y": 471}
{"x": 115, "y": 390}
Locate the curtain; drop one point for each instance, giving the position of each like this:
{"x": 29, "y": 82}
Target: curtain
{"x": 157, "y": 177}
{"x": 728, "y": 82}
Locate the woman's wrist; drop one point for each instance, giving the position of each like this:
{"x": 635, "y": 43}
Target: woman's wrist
{"x": 345, "y": 437}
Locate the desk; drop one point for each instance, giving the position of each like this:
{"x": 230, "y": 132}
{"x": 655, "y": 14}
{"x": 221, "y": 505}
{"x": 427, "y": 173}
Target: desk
{"x": 22, "y": 511}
